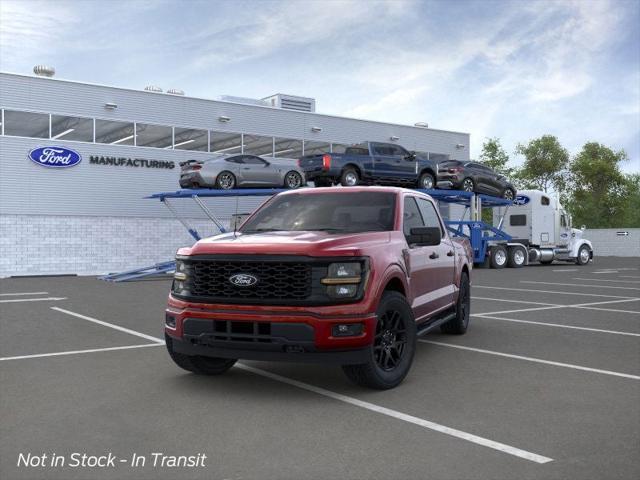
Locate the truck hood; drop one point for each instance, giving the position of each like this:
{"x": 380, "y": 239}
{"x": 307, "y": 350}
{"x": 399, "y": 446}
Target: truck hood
{"x": 289, "y": 243}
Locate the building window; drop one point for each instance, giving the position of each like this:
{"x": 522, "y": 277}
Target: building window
{"x": 338, "y": 148}
{"x": 225, "y": 143}
{"x": 26, "y": 124}
{"x": 71, "y": 128}
{"x": 157, "y": 136}
{"x": 287, "y": 148}
{"x": 190, "y": 139}
{"x": 316, "y": 148}
{"x": 113, "y": 132}
{"x": 258, "y": 145}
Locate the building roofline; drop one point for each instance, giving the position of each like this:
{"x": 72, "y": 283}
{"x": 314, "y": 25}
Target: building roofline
{"x": 231, "y": 103}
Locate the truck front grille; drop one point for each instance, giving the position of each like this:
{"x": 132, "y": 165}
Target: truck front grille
{"x": 275, "y": 280}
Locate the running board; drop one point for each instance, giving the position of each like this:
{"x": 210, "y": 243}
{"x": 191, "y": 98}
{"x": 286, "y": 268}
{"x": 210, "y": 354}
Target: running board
{"x": 423, "y": 330}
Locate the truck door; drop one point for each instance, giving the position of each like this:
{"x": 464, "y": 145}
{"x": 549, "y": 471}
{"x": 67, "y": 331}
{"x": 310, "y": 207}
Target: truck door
{"x": 426, "y": 264}
{"x": 391, "y": 164}
{"x": 564, "y": 231}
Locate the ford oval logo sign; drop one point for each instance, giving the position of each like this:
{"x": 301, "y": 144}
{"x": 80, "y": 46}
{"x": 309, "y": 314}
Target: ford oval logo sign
{"x": 521, "y": 200}
{"x": 243, "y": 280}
{"x": 55, "y": 157}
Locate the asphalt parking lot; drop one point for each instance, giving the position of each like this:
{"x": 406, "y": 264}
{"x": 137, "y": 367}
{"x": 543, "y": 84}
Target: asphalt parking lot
{"x": 545, "y": 385}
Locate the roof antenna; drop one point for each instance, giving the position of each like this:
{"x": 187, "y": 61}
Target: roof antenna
{"x": 235, "y": 220}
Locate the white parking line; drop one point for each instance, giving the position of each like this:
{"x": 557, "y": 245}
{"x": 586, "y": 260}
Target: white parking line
{"x": 401, "y": 416}
{"x": 75, "y": 352}
{"x": 566, "y": 270}
{"x": 629, "y": 276}
{"x": 605, "y": 280}
{"x": 110, "y": 325}
{"x": 581, "y": 285}
{"x": 513, "y": 301}
{"x": 536, "y": 360}
{"x": 587, "y": 329}
{"x": 588, "y": 306}
{"x": 527, "y": 290}
{"x": 47, "y": 299}
{"x": 22, "y": 293}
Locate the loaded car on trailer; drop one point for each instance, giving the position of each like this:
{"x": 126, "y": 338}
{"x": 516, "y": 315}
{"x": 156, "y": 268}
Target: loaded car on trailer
{"x": 475, "y": 177}
{"x": 371, "y": 163}
{"x": 349, "y": 276}
{"x": 236, "y": 171}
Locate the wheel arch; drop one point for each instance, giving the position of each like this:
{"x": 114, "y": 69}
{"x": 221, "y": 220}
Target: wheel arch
{"x": 354, "y": 166}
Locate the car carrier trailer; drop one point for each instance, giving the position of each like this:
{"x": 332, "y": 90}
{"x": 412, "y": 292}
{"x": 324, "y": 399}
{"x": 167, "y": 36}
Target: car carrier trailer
{"x": 499, "y": 245}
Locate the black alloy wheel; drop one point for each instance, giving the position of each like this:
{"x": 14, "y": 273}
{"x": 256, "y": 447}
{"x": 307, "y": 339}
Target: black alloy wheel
{"x": 390, "y": 340}
{"x": 508, "y": 194}
{"x": 468, "y": 185}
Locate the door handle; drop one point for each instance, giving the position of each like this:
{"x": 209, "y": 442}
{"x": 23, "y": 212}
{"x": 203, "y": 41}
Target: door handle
{"x": 450, "y": 253}
{"x": 434, "y": 255}
{"x": 247, "y": 168}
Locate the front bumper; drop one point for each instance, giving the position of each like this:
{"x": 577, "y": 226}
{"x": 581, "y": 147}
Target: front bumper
{"x": 279, "y": 333}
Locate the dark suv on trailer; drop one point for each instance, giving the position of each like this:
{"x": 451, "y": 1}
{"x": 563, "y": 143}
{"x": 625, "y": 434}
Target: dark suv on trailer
{"x": 474, "y": 177}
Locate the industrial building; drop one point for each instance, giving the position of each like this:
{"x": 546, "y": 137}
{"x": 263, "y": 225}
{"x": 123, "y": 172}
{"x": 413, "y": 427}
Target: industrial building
{"x": 92, "y": 217}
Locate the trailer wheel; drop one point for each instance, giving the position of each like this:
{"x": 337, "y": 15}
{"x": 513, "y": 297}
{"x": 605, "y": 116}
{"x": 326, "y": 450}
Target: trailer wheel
{"x": 517, "y": 257}
{"x": 499, "y": 256}
{"x": 584, "y": 255}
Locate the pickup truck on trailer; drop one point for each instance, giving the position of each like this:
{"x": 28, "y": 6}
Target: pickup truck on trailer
{"x": 349, "y": 276}
{"x": 371, "y": 163}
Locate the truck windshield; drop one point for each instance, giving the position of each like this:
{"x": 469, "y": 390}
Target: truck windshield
{"x": 330, "y": 212}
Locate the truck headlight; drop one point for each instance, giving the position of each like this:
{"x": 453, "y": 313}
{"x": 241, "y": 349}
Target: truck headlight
{"x": 179, "y": 279}
{"x": 342, "y": 279}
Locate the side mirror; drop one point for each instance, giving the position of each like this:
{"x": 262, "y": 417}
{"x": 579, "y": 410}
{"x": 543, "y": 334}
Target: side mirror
{"x": 425, "y": 236}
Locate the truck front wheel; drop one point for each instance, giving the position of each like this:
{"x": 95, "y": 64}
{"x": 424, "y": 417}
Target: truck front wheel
{"x": 584, "y": 255}
{"x": 198, "y": 364}
{"x": 391, "y": 354}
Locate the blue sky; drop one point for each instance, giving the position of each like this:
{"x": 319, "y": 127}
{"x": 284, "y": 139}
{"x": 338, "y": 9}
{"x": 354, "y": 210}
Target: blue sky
{"x": 509, "y": 69}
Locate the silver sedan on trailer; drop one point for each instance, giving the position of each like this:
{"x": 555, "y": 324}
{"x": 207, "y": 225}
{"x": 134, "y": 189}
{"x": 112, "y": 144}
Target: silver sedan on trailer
{"x": 236, "y": 171}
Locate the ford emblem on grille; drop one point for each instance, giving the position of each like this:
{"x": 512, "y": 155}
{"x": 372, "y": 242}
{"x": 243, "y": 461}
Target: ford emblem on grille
{"x": 243, "y": 280}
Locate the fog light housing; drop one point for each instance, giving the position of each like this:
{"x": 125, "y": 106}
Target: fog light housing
{"x": 170, "y": 321}
{"x": 347, "y": 330}
{"x": 342, "y": 291}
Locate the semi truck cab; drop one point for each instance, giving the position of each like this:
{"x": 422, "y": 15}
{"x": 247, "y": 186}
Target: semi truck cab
{"x": 540, "y": 223}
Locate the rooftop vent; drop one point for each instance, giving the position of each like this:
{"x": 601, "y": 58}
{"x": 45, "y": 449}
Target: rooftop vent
{"x": 421, "y": 124}
{"x": 153, "y": 88}
{"x": 175, "y": 91}
{"x": 292, "y": 102}
{"x": 44, "y": 71}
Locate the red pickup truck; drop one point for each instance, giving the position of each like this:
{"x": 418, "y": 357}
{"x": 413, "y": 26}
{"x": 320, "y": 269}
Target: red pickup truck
{"x": 349, "y": 276}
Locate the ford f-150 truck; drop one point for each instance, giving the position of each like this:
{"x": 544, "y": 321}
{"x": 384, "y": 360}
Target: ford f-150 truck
{"x": 349, "y": 276}
{"x": 371, "y": 163}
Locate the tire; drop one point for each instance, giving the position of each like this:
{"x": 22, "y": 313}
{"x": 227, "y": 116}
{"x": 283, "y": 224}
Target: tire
{"x": 197, "y": 364}
{"x": 225, "y": 180}
{"x": 517, "y": 257}
{"x": 349, "y": 177}
{"x": 426, "y": 181}
{"x": 322, "y": 182}
{"x": 508, "y": 194}
{"x": 468, "y": 185}
{"x": 292, "y": 180}
{"x": 498, "y": 256}
{"x": 395, "y": 332}
{"x": 459, "y": 324}
{"x": 584, "y": 255}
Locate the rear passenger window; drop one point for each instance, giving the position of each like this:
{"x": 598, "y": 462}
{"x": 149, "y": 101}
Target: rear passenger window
{"x": 412, "y": 217}
{"x": 429, "y": 214}
{"x": 518, "y": 220}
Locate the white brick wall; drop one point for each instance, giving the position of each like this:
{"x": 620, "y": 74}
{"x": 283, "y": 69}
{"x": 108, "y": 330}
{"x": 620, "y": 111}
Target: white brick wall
{"x": 84, "y": 245}
{"x": 607, "y": 242}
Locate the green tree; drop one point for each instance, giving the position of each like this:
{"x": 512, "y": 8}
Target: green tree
{"x": 630, "y": 216}
{"x": 599, "y": 193}
{"x": 545, "y": 164}
{"x": 495, "y": 157}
